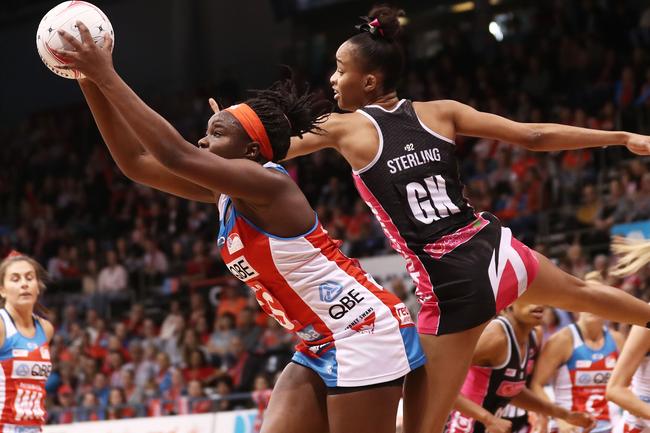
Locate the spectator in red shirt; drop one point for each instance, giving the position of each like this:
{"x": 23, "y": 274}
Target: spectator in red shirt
{"x": 198, "y": 368}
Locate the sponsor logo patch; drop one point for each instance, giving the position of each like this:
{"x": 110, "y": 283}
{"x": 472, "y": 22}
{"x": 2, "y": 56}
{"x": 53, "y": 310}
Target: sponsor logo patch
{"x": 234, "y": 243}
{"x": 582, "y": 363}
{"x": 19, "y": 353}
{"x": 593, "y": 378}
{"x": 31, "y": 370}
{"x": 241, "y": 269}
{"x": 329, "y": 291}
{"x": 403, "y": 314}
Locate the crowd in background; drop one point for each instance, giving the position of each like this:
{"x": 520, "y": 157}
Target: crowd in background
{"x": 147, "y": 320}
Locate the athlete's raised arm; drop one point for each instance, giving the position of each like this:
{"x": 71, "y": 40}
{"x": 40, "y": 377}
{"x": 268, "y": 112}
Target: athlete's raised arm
{"x": 240, "y": 178}
{"x": 536, "y": 136}
{"x": 635, "y": 349}
{"x": 129, "y": 155}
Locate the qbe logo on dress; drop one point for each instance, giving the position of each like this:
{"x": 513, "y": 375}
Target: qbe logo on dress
{"x": 31, "y": 370}
{"x": 241, "y": 269}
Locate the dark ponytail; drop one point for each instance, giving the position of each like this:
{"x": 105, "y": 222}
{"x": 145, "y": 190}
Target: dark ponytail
{"x": 378, "y": 45}
{"x": 285, "y": 112}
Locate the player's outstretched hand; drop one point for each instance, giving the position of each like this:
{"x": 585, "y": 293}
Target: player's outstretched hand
{"x": 639, "y": 144}
{"x": 498, "y": 425}
{"x": 86, "y": 56}
{"x": 581, "y": 419}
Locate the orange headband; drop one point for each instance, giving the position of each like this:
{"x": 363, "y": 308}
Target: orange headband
{"x": 253, "y": 127}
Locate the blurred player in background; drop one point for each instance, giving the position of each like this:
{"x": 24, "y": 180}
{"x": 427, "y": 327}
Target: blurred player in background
{"x": 25, "y": 361}
{"x": 503, "y": 361}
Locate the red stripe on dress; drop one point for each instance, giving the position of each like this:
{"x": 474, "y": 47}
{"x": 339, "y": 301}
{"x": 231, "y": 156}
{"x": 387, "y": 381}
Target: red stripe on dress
{"x": 330, "y": 250}
{"x": 413, "y": 263}
{"x": 259, "y": 255}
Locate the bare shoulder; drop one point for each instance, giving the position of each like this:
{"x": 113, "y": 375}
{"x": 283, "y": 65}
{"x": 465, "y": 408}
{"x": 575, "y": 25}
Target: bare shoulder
{"x": 48, "y": 328}
{"x": 560, "y": 343}
{"x": 492, "y": 346}
{"x": 438, "y": 116}
{"x": 619, "y": 338}
{"x": 342, "y": 124}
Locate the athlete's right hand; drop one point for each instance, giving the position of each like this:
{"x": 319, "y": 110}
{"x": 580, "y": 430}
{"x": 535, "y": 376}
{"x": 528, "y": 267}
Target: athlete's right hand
{"x": 581, "y": 419}
{"x": 498, "y": 425}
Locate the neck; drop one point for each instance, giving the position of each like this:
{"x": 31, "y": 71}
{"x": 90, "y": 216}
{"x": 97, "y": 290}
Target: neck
{"x": 385, "y": 101}
{"x": 522, "y": 330}
{"x": 22, "y": 316}
{"x": 591, "y": 330}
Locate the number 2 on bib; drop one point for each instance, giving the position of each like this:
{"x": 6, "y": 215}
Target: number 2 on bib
{"x": 429, "y": 202}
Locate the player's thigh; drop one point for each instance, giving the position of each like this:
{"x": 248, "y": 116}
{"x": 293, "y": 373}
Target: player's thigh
{"x": 298, "y": 403}
{"x": 365, "y": 410}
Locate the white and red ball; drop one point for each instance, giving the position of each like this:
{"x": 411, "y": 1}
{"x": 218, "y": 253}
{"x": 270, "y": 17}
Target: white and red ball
{"x": 65, "y": 16}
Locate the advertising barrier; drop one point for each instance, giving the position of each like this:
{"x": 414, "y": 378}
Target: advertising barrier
{"x": 239, "y": 421}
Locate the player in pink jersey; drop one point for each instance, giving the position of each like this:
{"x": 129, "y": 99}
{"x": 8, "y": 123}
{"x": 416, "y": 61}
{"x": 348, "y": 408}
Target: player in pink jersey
{"x": 358, "y": 341}
{"x": 629, "y": 385}
{"x": 24, "y": 352}
{"x": 503, "y": 363}
{"x": 578, "y": 361}
{"x": 466, "y": 266}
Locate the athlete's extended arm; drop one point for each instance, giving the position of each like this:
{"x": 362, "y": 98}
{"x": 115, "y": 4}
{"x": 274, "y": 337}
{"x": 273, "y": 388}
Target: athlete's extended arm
{"x": 635, "y": 349}
{"x": 241, "y": 178}
{"x": 493, "y": 424}
{"x": 128, "y": 153}
{"x": 528, "y": 400}
{"x": 555, "y": 352}
{"x": 537, "y": 136}
{"x": 312, "y": 142}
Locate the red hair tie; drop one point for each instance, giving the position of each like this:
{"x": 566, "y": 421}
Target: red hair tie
{"x": 253, "y": 127}
{"x": 14, "y": 253}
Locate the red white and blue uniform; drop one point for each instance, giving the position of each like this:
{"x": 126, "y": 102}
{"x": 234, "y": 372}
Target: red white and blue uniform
{"x": 353, "y": 332}
{"x": 641, "y": 388}
{"x": 494, "y": 387}
{"x": 466, "y": 267}
{"x": 25, "y": 366}
{"x": 580, "y": 384}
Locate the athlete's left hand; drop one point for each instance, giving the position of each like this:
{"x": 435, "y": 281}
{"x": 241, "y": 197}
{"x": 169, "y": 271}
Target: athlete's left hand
{"x": 581, "y": 419}
{"x": 639, "y": 144}
{"x": 87, "y": 57}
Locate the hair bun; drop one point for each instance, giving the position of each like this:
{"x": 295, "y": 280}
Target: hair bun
{"x": 388, "y": 18}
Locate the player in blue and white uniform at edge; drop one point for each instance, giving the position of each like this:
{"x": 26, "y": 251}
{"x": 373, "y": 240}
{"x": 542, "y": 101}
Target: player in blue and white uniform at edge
{"x": 466, "y": 266}
{"x": 629, "y": 385}
{"x": 358, "y": 340}
{"x": 24, "y": 346}
{"x": 578, "y": 361}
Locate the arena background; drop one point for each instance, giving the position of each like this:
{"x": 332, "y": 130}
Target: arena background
{"x": 136, "y": 282}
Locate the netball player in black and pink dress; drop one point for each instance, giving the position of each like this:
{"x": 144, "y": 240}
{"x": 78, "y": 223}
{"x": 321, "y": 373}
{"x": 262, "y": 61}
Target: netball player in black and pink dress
{"x": 466, "y": 266}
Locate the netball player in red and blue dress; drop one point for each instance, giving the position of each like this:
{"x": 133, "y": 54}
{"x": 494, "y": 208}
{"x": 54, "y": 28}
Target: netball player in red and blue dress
{"x": 502, "y": 365}
{"x": 578, "y": 361}
{"x": 25, "y": 361}
{"x": 466, "y": 266}
{"x": 357, "y": 340}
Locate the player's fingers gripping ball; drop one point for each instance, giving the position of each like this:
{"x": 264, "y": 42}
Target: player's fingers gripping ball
{"x": 65, "y": 17}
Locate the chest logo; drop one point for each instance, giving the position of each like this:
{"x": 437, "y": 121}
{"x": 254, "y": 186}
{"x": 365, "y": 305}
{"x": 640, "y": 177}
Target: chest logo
{"x": 19, "y": 353}
{"x": 241, "y": 269}
{"x": 234, "y": 243}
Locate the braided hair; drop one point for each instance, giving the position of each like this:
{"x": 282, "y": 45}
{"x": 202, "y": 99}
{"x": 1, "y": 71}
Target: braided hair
{"x": 285, "y": 112}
